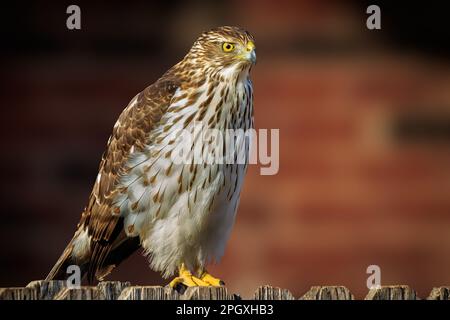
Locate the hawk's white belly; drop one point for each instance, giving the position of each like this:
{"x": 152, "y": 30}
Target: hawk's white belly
{"x": 183, "y": 213}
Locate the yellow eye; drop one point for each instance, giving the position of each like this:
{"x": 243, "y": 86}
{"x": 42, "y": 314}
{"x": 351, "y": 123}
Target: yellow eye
{"x": 227, "y": 47}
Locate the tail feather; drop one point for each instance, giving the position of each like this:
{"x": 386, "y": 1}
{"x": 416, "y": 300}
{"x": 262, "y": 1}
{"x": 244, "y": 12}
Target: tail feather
{"x": 120, "y": 251}
{"x": 59, "y": 270}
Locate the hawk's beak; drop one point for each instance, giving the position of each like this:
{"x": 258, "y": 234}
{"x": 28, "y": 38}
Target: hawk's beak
{"x": 250, "y": 52}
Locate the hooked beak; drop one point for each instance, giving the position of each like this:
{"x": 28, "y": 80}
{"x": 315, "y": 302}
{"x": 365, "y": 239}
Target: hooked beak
{"x": 250, "y": 52}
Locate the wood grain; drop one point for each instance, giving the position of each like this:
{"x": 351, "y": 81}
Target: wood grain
{"x": 328, "y": 293}
{"x": 272, "y": 293}
{"x": 398, "y": 292}
{"x": 115, "y": 290}
{"x": 440, "y": 293}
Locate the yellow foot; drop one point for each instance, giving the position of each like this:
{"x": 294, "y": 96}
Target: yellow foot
{"x": 212, "y": 281}
{"x": 186, "y": 278}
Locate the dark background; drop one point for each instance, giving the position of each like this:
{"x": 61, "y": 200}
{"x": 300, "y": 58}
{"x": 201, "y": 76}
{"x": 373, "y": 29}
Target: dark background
{"x": 364, "y": 119}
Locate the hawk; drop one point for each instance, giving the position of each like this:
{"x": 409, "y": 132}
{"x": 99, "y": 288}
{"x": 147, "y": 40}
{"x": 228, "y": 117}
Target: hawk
{"x": 180, "y": 213}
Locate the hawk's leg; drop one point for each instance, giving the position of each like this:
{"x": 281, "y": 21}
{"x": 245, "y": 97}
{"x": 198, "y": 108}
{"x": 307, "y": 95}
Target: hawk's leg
{"x": 186, "y": 279}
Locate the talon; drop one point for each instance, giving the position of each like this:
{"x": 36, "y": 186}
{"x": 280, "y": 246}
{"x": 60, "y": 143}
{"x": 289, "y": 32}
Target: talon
{"x": 212, "y": 281}
{"x": 186, "y": 279}
{"x": 180, "y": 288}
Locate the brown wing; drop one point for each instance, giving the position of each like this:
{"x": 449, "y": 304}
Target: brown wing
{"x": 134, "y": 124}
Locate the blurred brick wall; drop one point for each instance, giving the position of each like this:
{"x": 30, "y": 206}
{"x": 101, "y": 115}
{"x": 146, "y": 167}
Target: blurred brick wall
{"x": 350, "y": 192}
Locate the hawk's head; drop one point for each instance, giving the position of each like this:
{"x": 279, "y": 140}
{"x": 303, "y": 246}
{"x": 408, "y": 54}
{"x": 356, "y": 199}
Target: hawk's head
{"x": 224, "y": 48}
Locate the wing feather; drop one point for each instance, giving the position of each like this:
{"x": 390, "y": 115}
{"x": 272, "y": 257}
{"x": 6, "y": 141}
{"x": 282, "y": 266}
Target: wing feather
{"x": 131, "y": 131}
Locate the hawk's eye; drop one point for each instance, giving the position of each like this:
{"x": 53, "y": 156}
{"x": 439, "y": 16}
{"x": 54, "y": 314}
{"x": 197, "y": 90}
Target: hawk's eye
{"x": 227, "y": 47}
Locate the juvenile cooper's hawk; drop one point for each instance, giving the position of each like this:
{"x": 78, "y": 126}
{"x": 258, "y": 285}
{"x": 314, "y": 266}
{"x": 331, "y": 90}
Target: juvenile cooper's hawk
{"x": 180, "y": 213}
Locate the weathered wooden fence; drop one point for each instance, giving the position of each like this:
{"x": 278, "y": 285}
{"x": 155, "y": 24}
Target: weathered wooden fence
{"x": 114, "y": 290}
